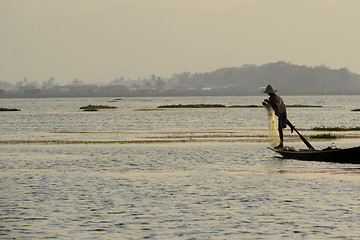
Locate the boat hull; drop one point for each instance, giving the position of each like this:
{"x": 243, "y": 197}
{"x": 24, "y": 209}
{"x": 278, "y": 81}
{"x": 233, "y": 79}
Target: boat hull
{"x": 348, "y": 155}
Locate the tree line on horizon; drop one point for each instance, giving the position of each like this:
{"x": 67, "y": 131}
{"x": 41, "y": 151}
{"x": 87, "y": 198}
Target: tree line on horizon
{"x": 288, "y": 78}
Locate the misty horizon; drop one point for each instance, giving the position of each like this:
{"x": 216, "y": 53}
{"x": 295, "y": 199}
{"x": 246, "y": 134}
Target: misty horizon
{"x": 246, "y": 80}
{"x": 123, "y": 79}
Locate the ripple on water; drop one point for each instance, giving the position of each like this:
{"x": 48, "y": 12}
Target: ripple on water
{"x": 185, "y": 190}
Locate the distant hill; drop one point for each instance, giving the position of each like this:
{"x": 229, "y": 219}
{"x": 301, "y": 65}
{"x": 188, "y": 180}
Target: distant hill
{"x": 288, "y": 78}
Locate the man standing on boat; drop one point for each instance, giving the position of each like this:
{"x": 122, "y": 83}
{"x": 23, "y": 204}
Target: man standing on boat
{"x": 279, "y": 108}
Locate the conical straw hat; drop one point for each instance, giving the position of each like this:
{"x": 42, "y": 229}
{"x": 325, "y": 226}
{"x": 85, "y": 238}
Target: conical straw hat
{"x": 270, "y": 89}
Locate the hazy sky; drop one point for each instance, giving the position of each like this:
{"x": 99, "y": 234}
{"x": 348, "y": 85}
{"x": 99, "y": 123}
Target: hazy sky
{"x": 99, "y": 40}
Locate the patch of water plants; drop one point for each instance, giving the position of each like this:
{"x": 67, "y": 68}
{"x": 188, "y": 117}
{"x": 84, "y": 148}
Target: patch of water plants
{"x": 324, "y": 135}
{"x": 208, "y": 106}
{"x": 336, "y": 129}
{"x": 193, "y": 106}
{"x": 96, "y": 107}
{"x": 303, "y": 106}
{"x": 9, "y": 109}
{"x": 231, "y": 106}
{"x": 244, "y": 106}
{"x": 115, "y": 100}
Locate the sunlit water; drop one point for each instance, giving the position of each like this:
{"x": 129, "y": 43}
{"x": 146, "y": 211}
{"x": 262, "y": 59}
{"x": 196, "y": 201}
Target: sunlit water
{"x": 171, "y": 174}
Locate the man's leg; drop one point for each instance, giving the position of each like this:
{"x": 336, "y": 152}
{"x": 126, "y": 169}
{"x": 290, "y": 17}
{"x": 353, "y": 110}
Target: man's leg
{"x": 281, "y": 135}
{"x": 281, "y": 124}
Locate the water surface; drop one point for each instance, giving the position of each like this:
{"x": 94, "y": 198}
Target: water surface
{"x": 212, "y": 178}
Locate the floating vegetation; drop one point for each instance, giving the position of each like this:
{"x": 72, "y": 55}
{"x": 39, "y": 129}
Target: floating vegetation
{"x": 336, "y": 129}
{"x": 303, "y": 106}
{"x": 148, "y": 109}
{"x": 135, "y": 137}
{"x": 9, "y": 109}
{"x": 231, "y": 106}
{"x": 356, "y": 110}
{"x": 244, "y": 106}
{"x": 53, "y": 142}
{"x": 197, "y": 106}
{"x": 324, "y": 135}
{"x": 96, "y": 107}
{"x": 290, "y": 106}
{"x": 194, "y": 106}
{"x": 208, "y": 106}
{"x": 115, "y": 100}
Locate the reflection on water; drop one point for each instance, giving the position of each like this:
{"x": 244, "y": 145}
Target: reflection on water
{"x": 211, "y": 182}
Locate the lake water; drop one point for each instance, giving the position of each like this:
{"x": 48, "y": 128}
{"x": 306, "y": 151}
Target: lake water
{"x": 140, "y": 173}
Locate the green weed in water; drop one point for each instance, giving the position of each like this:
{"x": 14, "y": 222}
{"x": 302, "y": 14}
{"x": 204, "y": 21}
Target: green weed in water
{"x": 303, "y": 106}
{"x": 336, "y": 129}
{"x": 96, "y": 107}
{"x": 244, "y": 106}
{"x": 193, "y": 106}
{"x": 324, "y": 135}
{"x": 9, "y": 109}
{"x": 224, "y": 106}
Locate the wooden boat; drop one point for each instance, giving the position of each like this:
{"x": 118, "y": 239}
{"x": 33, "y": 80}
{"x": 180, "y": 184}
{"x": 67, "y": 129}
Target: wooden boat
{"x": 330, "y": 154}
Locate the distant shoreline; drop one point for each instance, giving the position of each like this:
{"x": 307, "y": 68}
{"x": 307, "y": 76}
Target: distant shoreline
{"x": 165, "y": 94}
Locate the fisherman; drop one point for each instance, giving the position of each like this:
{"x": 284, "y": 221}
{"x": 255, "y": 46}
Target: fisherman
{"x": 279, "y": 108}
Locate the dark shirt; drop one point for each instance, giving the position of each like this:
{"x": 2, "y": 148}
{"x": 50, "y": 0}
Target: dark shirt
{"x": 277, "y": 104}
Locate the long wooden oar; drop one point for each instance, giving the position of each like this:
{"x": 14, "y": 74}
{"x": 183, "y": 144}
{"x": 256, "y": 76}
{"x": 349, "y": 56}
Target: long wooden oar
{"x": 301, "y": 136}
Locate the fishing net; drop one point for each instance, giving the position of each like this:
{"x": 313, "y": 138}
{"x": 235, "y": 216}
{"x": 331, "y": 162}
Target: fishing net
{"x": 273, "y": 133}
